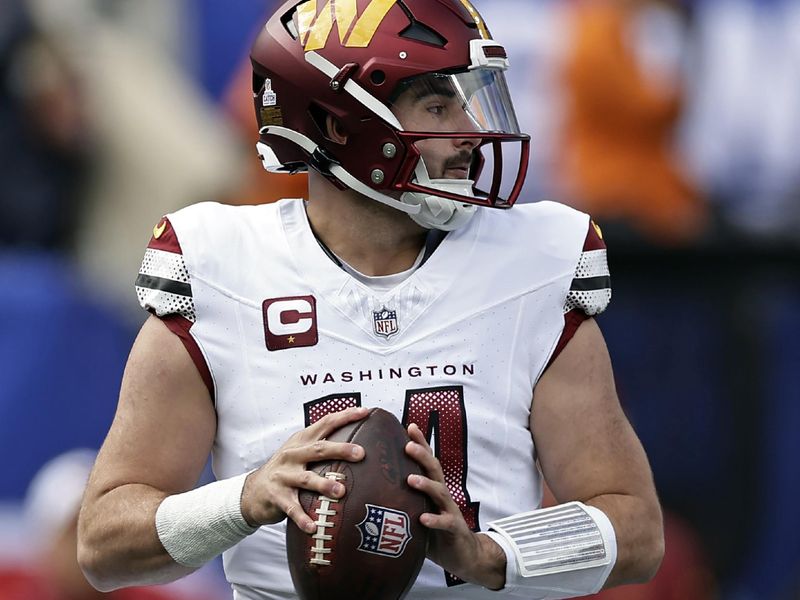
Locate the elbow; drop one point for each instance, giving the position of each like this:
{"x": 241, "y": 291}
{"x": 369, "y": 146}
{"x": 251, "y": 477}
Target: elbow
{"x": 90, "y": 562}
{"x": 652, "y": 556}
{"x": 93, "y": 560}
{"x": 651, "y": 550}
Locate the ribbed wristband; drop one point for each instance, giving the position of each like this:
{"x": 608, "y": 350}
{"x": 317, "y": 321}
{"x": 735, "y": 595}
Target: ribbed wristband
{"x": 196, "y": 526}
{"x": 559, "y": 552}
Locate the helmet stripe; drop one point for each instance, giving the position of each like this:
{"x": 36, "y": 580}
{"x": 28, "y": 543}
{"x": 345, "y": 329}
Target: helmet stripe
{"x": 478, "y": 19}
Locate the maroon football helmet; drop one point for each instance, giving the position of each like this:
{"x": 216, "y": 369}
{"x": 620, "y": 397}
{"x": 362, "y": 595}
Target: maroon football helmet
{"x": 418, "y": 90}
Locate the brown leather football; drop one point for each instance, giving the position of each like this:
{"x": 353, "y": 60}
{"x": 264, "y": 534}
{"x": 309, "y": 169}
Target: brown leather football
{"x": 369, "y": 544}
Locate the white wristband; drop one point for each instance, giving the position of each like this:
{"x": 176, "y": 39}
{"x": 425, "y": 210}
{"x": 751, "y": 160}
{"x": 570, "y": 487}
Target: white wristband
{"x": 196, "y": 526}
{"x": 559, "y": 552}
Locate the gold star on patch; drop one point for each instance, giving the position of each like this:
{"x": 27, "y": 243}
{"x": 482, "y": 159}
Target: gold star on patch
{"x": 291, "y": 339}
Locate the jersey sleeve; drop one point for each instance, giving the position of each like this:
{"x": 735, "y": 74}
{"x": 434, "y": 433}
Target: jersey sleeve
{"x": 163, "y": 285}
{"x": 590, "y": 291}
{"x": 164, "y": 288}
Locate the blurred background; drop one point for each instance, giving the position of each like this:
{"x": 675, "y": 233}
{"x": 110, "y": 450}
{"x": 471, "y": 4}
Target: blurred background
{"x": 674, "y": 123}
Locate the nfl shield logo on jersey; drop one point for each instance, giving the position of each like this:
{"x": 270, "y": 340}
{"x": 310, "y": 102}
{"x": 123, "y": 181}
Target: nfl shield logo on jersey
{"x": 385, "y": 322}
{"x": 384, "y": 531}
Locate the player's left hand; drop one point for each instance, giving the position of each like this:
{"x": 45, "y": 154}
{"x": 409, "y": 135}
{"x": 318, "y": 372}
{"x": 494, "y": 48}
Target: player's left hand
{"x": 453, "y": 545}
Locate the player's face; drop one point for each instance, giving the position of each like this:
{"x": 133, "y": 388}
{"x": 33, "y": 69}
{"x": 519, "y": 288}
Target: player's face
{"x": 437, "y": 108}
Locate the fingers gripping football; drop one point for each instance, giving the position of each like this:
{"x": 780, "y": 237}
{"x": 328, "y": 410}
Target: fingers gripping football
{"x": 271, "y": 492}
{"x": 433, "y": 485}
{"x": 453, "y": 545}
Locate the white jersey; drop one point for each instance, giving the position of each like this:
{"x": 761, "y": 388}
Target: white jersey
{"x": 283, "y": 335}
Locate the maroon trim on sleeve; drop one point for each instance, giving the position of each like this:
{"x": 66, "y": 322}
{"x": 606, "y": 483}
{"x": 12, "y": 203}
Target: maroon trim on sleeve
{"x": 180, "y": 326}
{"x": 164, "y": 238}
{"x": 594, "y": 239}
{"x": 572, "y": 320}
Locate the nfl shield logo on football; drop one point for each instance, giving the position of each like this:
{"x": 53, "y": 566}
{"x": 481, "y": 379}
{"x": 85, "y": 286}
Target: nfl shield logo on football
{"x": 385, "y": 322}
{"x": 384, "y": 531}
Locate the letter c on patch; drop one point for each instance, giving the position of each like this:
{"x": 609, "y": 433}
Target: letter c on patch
{"x": 290, "y": 322}
{"x": 288, "y": 317}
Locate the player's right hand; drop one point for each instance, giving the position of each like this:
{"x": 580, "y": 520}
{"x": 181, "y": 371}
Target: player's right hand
{"x": 271, "y": 492}
{"x": 452, "y": 544}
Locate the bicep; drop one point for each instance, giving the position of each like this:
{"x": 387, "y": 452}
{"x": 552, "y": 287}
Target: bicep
{"x": 165, "y": 422}
{"x": 585, "y": 444}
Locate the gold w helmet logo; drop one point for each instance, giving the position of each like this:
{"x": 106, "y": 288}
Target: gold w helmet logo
{"x": 354, "y": 31}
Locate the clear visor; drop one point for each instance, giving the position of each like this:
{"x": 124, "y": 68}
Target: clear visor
{"x": 473, "y": 101}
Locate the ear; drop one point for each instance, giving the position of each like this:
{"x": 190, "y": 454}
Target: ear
{"x": 335, "y": 130}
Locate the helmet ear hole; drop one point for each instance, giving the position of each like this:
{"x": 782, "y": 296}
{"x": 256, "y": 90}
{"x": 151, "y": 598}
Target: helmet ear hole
{"x": 329, "y": 126}
{"x": 378, "y": 77}
{"x": 318, "y": 116}
{"x": 335, "y": 131}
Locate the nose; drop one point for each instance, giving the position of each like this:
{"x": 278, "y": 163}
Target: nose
{"x": 464, "y": 122}
{"x": 469, "y": 143}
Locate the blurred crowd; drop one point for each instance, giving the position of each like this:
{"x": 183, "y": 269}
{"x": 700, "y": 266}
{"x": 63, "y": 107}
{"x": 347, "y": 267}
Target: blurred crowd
{"x": 673, "y": 122}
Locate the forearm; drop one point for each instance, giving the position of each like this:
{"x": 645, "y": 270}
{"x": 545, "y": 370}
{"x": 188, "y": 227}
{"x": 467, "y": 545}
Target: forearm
{"x": 639, "y": 533}
{"x": 118, "y": 544}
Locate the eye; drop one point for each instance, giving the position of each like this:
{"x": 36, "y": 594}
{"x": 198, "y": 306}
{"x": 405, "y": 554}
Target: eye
{"x": 436, "y": 109}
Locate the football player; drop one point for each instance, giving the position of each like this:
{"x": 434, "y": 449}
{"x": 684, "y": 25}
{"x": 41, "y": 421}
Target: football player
{"x": 404, "y": 282}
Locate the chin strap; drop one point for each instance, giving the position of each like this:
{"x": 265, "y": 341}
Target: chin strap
{"x": 439, "y": 213}
{"x": 428, "y": 210}
{"x": 443, "y": 214}
{"x": 436, "y": 212}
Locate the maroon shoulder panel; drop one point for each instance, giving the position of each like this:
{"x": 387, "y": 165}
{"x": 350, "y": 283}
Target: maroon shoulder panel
{"x": 594, "y": 238}
{"x": 164, "y": 238}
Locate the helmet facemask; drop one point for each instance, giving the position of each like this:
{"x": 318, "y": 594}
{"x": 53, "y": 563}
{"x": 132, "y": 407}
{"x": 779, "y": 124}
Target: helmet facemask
{"x": 449, "y": 121}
